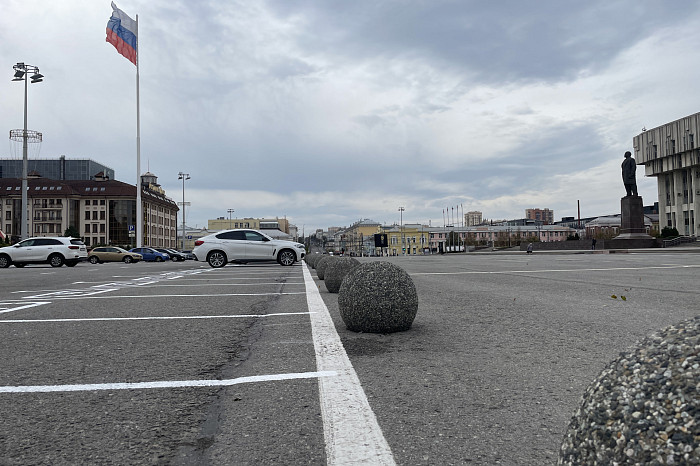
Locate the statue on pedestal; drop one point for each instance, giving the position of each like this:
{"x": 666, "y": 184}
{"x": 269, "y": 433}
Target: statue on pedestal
{"x": 629, "y": 174}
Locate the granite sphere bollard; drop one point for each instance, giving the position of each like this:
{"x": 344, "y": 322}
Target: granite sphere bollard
{"x": 378, "y": 297}
{"x": 336, "y": 270}
{"x": 322, "y": 264}
{"x": 644, "y": 406}
{"x": 313, "y": 258}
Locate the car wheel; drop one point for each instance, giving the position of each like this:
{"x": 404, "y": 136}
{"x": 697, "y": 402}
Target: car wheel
{"x": 5, "y": 261}
{"x": 159, "y": 259}
{"x": 216, "y": 259}
{"x": 93, "y": 259}
{"x": 128, "y": 260}
{"x": 71, "y": 264}
{"x": 20, "y": 265}
{"x": 286, "y": 257}
{"x": 56, "y": 260}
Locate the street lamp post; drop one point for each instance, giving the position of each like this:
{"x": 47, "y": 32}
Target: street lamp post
{"x": 184, "y": 177}
{"x": 21, "y": 71}
{"x": 230, "y": 211}
{"x": 403, "y": 239}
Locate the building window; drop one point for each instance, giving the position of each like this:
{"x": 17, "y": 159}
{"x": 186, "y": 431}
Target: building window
{"x": 103, "y": 215}
{"x": 94, "y": 215}
{"x": 87, "y": 228}
{"x": 87, "y": 215}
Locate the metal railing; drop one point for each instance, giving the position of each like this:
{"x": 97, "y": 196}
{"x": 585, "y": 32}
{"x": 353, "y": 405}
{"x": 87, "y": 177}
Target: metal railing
{"x": 667, "y": 243}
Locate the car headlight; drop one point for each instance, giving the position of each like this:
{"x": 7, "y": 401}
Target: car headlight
{"x": 300, "y": 246}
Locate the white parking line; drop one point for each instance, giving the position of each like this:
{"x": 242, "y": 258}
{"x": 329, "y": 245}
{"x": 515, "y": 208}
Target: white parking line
{"x": 350, "y": 428}
{"x": 163, "y": 384}
{"x": 103, "y": 319}
{"x": 11, "y": 307}
{"x": 610, "y": 269}
{"x": 173, "y": 295}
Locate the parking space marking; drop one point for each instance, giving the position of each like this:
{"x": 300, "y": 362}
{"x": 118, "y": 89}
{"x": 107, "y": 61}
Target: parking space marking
{"x": 165, "y": 384}
{"x": 350, "y": 428}
{"x": 11, "y": 307}
{"x": 107, "y": 319}
{"x": 203, "y": 295}
{"x": 610, "y": 269}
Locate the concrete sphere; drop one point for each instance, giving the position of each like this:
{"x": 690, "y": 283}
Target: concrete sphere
{"x": 322, "y": 264}
{"x": 644, "y": 406}
{"x": 336, "y": 270}
{"x": 378, "y": 297}
{"x": 313, "y": 258}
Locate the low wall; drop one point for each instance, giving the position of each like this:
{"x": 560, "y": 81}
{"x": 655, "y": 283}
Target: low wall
{"x": 584, "y": 244}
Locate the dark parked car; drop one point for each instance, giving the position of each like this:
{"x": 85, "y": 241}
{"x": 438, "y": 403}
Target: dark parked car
{"x": 173, "y": 254}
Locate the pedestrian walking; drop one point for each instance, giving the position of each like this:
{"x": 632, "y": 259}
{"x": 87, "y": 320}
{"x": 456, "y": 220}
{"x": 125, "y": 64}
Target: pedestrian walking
{"x": 593, "y": 244}
{"x": 529, "y": 248}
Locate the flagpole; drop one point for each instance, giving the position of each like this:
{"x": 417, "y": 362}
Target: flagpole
{"x": 139, "y": 206}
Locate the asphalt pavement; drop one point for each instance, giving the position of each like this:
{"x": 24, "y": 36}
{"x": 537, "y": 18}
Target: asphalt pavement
{"x": 178, "y": 363}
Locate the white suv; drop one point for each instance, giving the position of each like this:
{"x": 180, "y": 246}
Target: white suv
{"x": 244, "y": 246}
{"x": 53, "y": 250}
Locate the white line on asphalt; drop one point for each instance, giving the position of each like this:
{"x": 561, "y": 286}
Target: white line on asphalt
{"x": 350, "y": 428}
{"x": 164, "y": 384}
{"x": 11, "y": 307}
{"x": 174, "y": 295}
{"x": 611, "y": 269}
{"x": 231, "y": 284}
{"x": 102, "y": 319}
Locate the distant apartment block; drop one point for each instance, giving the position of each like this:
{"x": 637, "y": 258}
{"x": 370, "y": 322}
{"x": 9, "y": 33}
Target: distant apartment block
{"x": 546, "y": 216}
{"x": 669, "y": 153}
{"x": 56, "y": 169}
{"x": 473, "y": 218}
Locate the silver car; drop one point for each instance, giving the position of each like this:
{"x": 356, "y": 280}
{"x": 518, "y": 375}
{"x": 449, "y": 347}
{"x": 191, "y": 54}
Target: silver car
{"x": 243, "y": 246}
{"x": 53, "y": 250}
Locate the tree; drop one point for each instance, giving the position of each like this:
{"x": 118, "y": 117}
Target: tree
{"x": 72, "y": 232}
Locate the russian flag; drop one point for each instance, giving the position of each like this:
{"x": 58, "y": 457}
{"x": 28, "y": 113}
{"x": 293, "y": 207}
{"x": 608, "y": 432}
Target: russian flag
{"x": 122, "y": 32}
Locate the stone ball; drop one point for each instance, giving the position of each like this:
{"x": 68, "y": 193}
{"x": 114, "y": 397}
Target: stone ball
{"x": 313, "y": 258}
{"x": 322, "y": 264}
{"x": 336, "y": 270}
{"x": 644, "y": 406}
{"x": 378, "y": 297}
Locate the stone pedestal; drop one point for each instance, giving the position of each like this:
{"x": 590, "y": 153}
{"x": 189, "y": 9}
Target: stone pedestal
{"x": 633, "y": 233}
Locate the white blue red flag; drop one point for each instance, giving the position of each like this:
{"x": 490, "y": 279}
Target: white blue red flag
{"x": 122, "y": 32}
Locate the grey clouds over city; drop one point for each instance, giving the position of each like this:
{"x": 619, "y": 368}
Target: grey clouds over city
{"x": 328, "y": 112}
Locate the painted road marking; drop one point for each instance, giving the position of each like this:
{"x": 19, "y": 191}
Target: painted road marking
{"x": 11, "y": 307}
{"x": 103, "y": 319}
{"x": 164, "y": 384}
{"x": 350, "y": 428}
{"x": 611, "y": 269}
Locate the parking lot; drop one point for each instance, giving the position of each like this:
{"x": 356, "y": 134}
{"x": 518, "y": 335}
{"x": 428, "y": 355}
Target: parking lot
{"x": 179, "y": 363}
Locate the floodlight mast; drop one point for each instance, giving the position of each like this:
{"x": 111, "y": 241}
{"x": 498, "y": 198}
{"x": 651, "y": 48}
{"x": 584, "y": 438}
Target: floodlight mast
{"x": 21, "y": 71}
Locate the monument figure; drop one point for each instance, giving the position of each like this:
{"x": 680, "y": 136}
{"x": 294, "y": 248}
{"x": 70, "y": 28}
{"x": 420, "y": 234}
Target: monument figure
{"x": 629, "y": 174}
{"x": 632, "y": 228}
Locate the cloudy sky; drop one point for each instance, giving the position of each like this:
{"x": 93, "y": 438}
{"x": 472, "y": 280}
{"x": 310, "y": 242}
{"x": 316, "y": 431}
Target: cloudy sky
{"x": 329, "y": 111}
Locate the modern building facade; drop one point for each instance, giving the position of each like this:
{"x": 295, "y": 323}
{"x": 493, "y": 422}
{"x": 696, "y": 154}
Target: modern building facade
{"x": 669, "y": 152}
{"x": 102, "y": 210}
{"x": 56, "y": 169}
